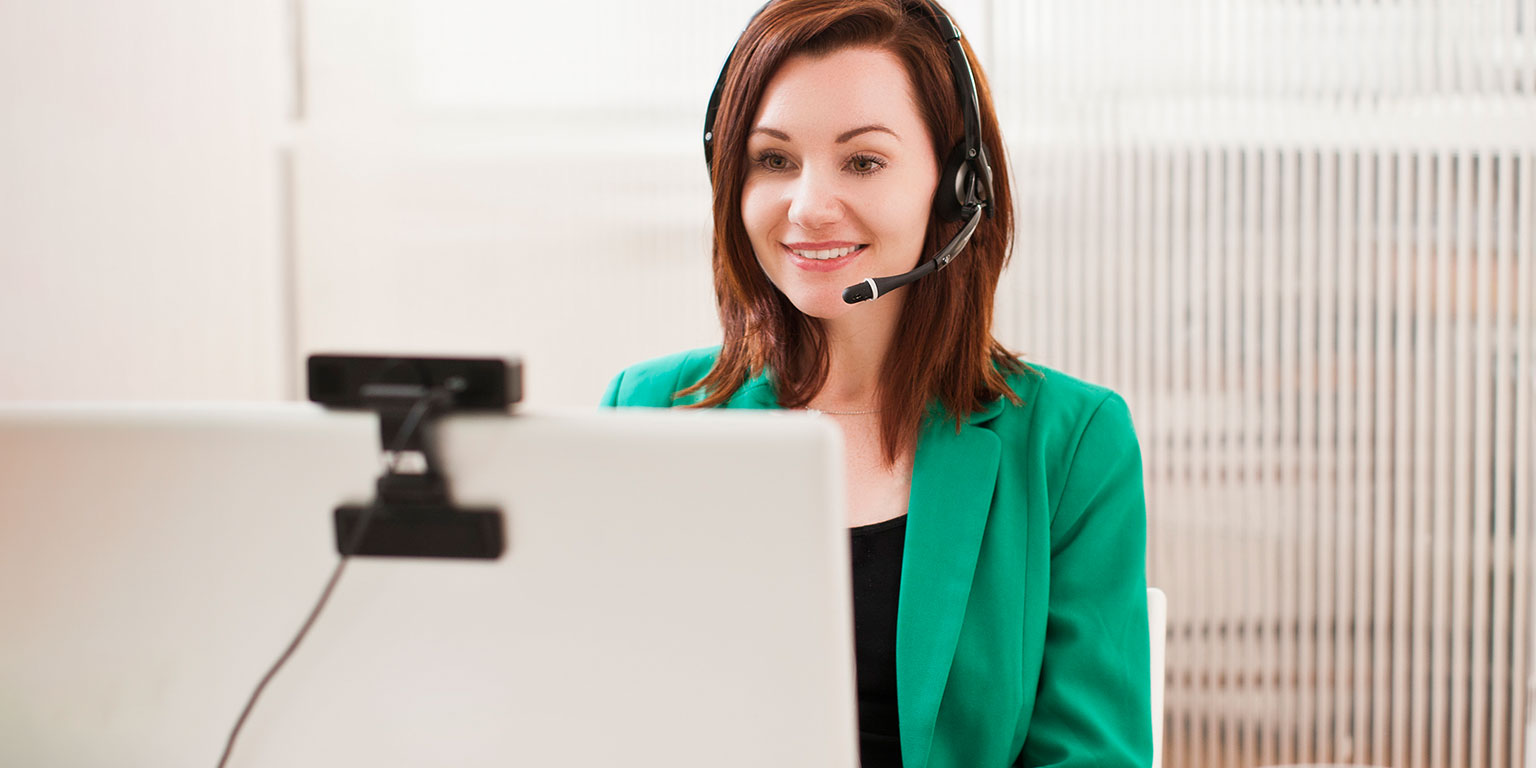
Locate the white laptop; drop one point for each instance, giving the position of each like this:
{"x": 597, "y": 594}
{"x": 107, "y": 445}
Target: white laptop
{"x": 674, "y": 592}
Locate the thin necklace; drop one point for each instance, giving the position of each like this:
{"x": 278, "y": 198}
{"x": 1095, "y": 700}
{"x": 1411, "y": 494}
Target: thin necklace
{"x": 844, "y": 413}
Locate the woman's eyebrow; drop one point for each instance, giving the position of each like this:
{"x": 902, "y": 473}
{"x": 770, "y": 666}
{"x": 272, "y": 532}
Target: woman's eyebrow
{"x": 774, "y": 132}
{"x": 847, "y": 136}
{"x": 843, "y": 138}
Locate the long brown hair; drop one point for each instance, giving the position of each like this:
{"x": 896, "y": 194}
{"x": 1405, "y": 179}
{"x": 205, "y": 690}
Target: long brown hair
{"x": 944, "y": 347}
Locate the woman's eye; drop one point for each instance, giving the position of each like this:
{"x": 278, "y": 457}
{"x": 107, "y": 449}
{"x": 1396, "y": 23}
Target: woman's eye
{"x": 772, "y": 161}
{"x": 865, "y": 165}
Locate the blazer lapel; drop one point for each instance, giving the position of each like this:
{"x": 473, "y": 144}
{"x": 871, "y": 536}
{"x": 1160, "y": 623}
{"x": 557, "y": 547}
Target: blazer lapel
{"x": 952, "y": 481}
{"x": 953, "y": 475}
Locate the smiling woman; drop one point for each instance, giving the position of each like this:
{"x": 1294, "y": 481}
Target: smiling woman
{"x": 816, "y": 96}
{"x": 996, "y": 515}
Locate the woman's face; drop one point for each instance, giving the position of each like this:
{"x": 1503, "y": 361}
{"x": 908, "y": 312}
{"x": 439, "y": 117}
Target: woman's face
{"x": 840, "y": 176}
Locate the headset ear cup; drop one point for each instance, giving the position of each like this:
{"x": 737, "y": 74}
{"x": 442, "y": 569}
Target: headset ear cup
{"x": 953, "y": 183}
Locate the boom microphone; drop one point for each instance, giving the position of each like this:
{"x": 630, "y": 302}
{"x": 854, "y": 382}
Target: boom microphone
{"x": 875, "y": 287}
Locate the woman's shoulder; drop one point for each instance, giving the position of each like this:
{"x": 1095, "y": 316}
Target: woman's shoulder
{"x": 1057, "y": 389}
{"x": 1081, "y": 438}
{"x": 1064, "y": 405}
{"x": 654, "y": 383}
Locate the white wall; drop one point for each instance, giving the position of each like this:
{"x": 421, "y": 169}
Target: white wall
{"x": 496, "y": 199}
{"x": 139, "y": 199}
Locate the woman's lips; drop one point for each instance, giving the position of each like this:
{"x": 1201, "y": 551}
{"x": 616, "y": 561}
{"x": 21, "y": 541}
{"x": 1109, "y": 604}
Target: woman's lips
{"x": 823, "y": 265}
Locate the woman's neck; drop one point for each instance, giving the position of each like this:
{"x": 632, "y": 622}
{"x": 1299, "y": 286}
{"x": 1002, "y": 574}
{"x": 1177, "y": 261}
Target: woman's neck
{"x": 857, "y": 344}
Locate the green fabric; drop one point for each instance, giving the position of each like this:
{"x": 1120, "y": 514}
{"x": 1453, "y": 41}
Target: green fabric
{"x": 1021, "y": 633}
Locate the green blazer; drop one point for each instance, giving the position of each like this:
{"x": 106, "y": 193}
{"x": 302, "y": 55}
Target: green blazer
{"x": 1021, "y": 631}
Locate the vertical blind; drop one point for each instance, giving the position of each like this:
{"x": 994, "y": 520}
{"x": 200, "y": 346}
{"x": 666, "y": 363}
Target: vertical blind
{"x": 1300, "y": 238}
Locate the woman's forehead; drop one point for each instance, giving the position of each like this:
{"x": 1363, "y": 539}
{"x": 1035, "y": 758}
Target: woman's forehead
{"x": 824, "y": 96}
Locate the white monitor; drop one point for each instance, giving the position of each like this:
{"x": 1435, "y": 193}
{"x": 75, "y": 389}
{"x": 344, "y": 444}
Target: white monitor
{"x": 675, "y": 592}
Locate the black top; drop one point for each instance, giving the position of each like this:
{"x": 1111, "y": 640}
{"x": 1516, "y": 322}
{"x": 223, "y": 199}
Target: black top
{"x": 876, "y": 553}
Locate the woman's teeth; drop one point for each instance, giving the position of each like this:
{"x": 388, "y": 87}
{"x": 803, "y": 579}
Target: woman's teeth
{"x": 831, "y": 253}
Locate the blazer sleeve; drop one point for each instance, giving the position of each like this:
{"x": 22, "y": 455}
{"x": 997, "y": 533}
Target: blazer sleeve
{"x": 1093, "y": 703}
{"x": 611, "y": 397}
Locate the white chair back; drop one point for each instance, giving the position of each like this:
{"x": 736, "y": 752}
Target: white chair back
{"x": 1157, "y": 622}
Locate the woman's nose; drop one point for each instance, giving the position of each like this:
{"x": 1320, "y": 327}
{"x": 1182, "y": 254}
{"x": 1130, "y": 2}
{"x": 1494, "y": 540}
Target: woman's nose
{"x": 815, "y": 201}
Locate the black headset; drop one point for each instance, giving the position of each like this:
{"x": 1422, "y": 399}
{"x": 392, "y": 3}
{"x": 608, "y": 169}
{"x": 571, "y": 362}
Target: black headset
{"x": 965, "y": 186}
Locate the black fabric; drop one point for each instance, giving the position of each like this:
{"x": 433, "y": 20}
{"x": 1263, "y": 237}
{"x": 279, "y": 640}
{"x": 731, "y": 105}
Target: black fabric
{"x": 877, "y": 553}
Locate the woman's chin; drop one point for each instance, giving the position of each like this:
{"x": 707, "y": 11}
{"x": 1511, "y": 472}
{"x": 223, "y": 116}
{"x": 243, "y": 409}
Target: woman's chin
{"x": 821, "y": 305}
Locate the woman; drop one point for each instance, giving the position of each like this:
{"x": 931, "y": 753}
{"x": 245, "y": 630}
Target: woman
{"x": 995, "y": 509}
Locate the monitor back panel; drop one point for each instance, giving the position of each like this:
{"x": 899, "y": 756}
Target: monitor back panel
{"x": 674, "y": 592}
